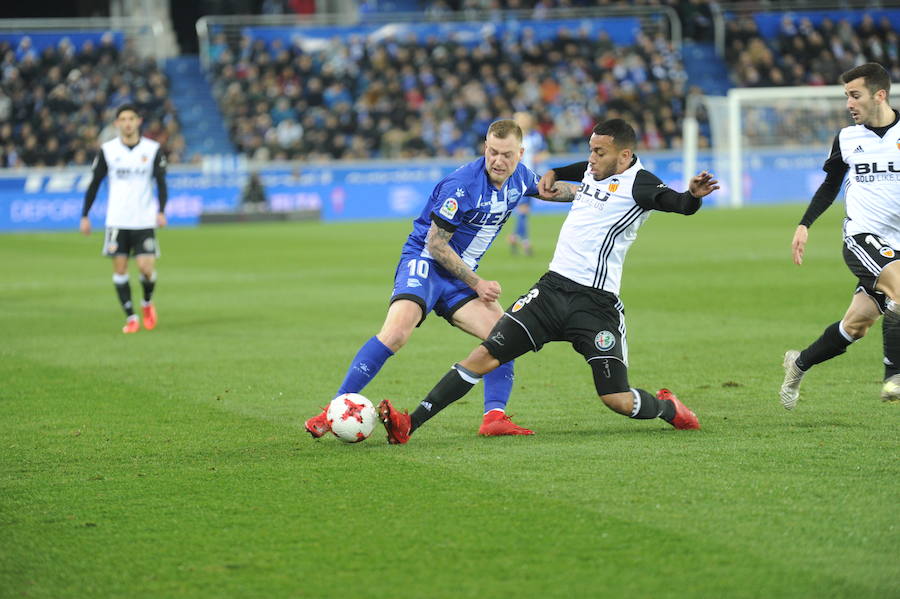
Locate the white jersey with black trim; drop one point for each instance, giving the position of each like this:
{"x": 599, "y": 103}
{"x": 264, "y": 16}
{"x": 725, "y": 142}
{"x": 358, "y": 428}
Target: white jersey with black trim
{"x": 872, "y": 186}
{"x": 602, "y": 224}
{"x": 132, "y": 204}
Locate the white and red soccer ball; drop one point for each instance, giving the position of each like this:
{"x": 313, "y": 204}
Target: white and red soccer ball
{"x": 352, "y": 417}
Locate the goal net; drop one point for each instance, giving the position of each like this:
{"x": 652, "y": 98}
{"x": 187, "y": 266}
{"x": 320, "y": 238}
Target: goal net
{"x": 764, "y": 144}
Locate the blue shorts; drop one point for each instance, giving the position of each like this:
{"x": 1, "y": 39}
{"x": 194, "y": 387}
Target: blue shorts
{"x": 423, "y": 281}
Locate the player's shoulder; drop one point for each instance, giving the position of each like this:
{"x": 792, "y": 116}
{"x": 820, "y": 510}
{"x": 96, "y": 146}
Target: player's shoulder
{"x": 111, "y": 145}
{"x": 148, "y": 143}
{"x": 851, "y": 132}
{"x": 644, "y": 177}
{"x": 465, "y": 180}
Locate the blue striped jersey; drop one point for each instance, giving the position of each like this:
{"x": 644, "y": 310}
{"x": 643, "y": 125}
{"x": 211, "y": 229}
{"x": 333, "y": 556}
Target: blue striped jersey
{"x": 466, "y": 203}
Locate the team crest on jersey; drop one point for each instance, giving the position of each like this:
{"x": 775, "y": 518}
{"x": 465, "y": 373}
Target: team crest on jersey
{"x": 449, "y": 208}
{"x": 520, "y": 303}
{"x": 613, "y": 185}
{"x": 605, "y": 341}
{"x": 898, "y": 143}
{"x": 886, "y": 252}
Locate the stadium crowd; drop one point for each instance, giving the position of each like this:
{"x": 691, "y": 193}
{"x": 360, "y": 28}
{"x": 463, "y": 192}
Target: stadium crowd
{"x": 804, "y": 54}
{"x": 400, "y": 98}
{"x": 57, "y": 106}
{"x": 355, "y": 98}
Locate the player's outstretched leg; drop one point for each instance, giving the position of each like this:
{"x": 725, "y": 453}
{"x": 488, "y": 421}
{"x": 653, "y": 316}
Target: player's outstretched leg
{"x": 790, "y": 387}
{"x": 684, "y": 418}
{"x": 834, "y": 341}
{"x": 497, "y": 388}
{"x": 318, "y": 424}
{"x": 396, "y": 423}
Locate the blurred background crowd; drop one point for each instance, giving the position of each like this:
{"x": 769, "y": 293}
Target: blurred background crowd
{"x": 58, "y": 105}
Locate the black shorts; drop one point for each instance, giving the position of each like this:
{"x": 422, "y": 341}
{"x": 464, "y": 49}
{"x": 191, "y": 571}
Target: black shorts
{"x": 866, "y": 255}
{"x": 558, "y": 309}
{"x": 130, "y": 242}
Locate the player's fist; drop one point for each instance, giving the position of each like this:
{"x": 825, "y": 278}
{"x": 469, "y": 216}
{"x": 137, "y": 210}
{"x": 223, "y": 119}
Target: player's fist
{"x": 488, "y": 291}
{"x": 545, "y": 185}
{"x": 85, "y": 225}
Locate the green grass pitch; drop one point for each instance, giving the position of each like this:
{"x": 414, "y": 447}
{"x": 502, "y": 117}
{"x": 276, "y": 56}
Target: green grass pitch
{"x": 174, "y": 463}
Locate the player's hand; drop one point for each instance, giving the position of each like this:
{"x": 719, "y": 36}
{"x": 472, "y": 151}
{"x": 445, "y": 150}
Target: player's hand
{"x": 161, "y": 219}
{"x": 703, "y": 184}
{"x": 545, "y": 185}
{"x": 488, "y": 291}
{"x": 85, "y": 225}
{"x": 798, "y": 244}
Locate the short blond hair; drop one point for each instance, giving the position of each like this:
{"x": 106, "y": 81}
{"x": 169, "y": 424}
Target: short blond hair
{"x": 504, "y": 128}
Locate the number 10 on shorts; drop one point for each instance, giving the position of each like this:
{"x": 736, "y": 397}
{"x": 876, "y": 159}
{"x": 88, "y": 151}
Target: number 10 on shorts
{"x": 418, "y": 268}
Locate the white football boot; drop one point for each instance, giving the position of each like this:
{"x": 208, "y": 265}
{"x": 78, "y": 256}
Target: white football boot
{"x": 790, "y": 388}
{"x": 891, "y": 389}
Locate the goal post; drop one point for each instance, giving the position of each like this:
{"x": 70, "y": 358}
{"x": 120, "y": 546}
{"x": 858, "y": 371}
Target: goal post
{"x": 750, "y": 125}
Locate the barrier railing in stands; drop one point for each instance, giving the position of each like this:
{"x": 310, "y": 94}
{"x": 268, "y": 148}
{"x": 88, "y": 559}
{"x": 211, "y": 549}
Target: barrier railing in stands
{"x": 466, "y": 23}
{"x": 147, "y": 33}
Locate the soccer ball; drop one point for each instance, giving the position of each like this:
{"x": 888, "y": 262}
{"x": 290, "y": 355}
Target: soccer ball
{"x": 352, "y": 417}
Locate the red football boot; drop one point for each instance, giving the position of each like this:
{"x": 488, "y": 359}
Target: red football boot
{"x": 684, "y": 418}
{"x": 396, "y": 424}
{"x": 318, "y": 425}
{"x": 132, "y": 325}
{"x": 149, "y": 317}
{"x": 496, "y": 423}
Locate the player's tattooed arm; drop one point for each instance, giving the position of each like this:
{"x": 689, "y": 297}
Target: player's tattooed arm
{"x": 438, "y": 242}
{"x": 561, "y": 192}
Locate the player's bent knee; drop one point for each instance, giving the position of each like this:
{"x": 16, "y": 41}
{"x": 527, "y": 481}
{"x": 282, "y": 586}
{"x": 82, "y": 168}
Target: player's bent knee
{"x": 611, "y": 382}
{"x": 394, "y": 338}
{"x": 857, "y": 330}
{"x": 480, "y": 361}
{"x": 621, "y": 403}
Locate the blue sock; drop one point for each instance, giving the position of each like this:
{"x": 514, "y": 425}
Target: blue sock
{"x": 365, "y": 365}
{"x": 497, "y": 387}
{"x": 522, "y": 227}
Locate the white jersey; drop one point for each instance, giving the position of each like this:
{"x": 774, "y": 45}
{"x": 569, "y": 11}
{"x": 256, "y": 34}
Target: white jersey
{"x": 132, "y": 204}
{"x": 602, "y": 224}
{"x": 872, "y": 186}
{"x": 604, "y": 220}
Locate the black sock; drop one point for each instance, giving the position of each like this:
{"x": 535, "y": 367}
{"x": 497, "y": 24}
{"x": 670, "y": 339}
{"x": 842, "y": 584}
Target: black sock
{"x": 832, "y": 343}
{"x": 890, "y": 328}
{"x": 454, "y": 385}
{"x": 124, "y": 292}
{"x": 148, "y": 285}
{"x": 646, "y": 406}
